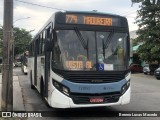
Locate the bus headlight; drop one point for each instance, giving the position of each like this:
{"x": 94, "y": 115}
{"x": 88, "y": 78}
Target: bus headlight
{"x": 125, "y": 87}
{"x": 60, "y": 87}
{"x": 65, "y": 90}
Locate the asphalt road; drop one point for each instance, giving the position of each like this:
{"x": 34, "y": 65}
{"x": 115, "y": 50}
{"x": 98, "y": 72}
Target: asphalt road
{"x": 145, "y": 96}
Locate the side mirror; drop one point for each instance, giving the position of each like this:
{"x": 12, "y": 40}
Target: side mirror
{"x": 49, "y": 42}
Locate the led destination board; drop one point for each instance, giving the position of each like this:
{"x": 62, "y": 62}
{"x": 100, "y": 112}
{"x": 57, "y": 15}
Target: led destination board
{"x": 89, "y": 20}
{"x": 97, "y": 20}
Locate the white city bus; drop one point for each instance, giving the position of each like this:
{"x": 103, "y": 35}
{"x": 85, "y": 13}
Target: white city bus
{"x": 81, "y": 59}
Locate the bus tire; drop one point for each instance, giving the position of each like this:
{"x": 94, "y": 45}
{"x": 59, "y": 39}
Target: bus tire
{"x": 158, "y": 78}
{"x": 32, "y": 86}
{"x": 42, "y": 88}
{"x": 42, "y": 93}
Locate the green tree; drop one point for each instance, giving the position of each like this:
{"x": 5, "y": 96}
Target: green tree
{"x": 134, "y": 42}
{"x": 22, "y": 38}
{"x": 148, "y": 20}
{"x": 138, "y": 1}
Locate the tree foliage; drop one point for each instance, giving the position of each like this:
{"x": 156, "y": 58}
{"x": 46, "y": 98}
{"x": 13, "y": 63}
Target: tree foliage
{"x": 134, "y": 42}
{"x": 138, "y": 1}
{"x": 22, "y": 38}
{"x": 148, "y": 20}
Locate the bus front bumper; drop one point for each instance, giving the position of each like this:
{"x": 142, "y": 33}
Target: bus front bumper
{"x": 59, "y": 100}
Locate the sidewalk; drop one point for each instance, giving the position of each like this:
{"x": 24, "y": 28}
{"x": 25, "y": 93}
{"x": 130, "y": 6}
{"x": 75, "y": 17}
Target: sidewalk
{"x": 17, "y": 94}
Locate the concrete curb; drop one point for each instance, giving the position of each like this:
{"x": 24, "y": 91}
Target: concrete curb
{"x": 17, "y": 95}
{"x": 18, "y": 104}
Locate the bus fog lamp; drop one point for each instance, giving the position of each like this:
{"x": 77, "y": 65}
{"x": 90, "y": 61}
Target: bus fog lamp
{"x": 65, "y": 90}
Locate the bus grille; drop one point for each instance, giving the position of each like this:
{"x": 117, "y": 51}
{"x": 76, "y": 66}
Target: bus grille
{"x": 85, "y": 99}
{"x": 92, "y": 76}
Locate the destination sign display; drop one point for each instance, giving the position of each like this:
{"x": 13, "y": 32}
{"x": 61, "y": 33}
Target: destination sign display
{"x": 91, "y": 20}
{"x": 78, "y": 64}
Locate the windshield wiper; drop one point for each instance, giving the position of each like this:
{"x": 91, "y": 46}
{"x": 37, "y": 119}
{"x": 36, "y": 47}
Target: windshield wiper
{"x": 80, "y": 37}
{"x": 107, "y": 42}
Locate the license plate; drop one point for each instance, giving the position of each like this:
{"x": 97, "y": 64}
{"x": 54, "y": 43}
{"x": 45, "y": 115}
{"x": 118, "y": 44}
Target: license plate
{"x": 96, "y": 100}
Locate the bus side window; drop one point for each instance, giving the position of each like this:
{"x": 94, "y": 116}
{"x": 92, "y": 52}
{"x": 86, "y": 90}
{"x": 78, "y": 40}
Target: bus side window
{"x": 37, "y": 45}
{"x": 43, "y": 42}
{"x": 0, "y": 60}
{"x": 49, "y": 38}
{"x": 33, "y": 49}
{"x": 49, "y": 32}
{"x": 30, "y": 50}
{"x": 40, "y": 45}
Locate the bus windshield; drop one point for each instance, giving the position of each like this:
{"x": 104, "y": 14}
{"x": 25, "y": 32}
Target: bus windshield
{"x": 90, "y": 50}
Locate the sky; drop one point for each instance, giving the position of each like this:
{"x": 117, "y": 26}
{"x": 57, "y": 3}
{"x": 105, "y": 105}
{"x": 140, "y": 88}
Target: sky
{"x": 32, "y": 17}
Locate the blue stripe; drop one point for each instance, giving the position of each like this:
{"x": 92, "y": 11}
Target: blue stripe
{"x": 94, "y": 88}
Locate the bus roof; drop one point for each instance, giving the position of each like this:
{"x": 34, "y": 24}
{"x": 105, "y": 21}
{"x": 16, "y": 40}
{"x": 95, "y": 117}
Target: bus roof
{"x": 93, "y": 12}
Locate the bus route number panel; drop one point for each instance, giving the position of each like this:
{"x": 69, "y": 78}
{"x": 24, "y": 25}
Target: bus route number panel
{"x": 91, "y": 20}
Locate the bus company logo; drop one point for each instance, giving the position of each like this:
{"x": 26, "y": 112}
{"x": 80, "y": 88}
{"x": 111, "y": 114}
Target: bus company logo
{"x": 108, "y": 88}
{"x": 96, "y": 81}
{"x": 6, "y": 114}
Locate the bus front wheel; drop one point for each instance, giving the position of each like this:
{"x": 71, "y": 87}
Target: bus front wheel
{"x": 32, "y": 86}
{"x": 42, "y": 89}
